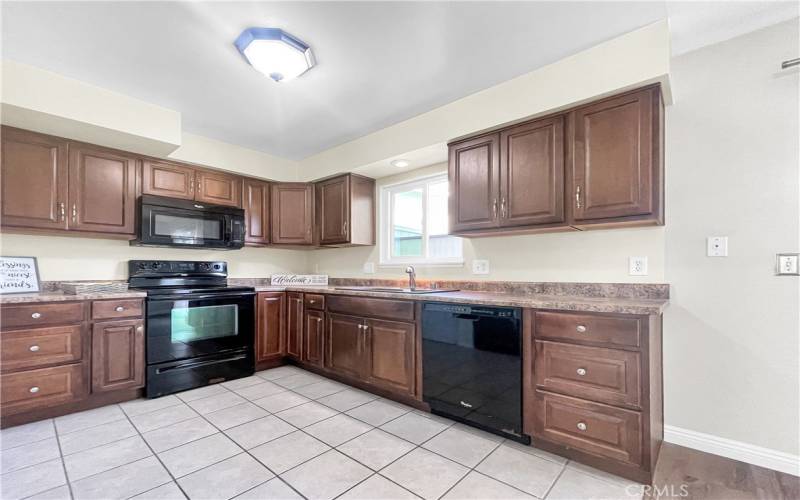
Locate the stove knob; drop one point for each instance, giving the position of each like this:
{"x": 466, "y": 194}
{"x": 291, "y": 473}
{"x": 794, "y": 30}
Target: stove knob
{"x": 204, "y": 266}
{"x": 155, "y": 265}
{"x": 142, "y": 266}
{"x": 217, "y": 267}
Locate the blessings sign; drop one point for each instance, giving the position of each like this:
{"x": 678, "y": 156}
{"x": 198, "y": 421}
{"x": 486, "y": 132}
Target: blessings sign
{"x": 18, "y": 275}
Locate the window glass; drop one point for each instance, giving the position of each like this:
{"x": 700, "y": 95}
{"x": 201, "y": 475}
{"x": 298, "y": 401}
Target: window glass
{"x": 198, "y": 323}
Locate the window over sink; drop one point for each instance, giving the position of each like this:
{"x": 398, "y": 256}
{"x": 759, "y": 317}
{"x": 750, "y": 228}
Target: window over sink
{"x": 414, "y": 224}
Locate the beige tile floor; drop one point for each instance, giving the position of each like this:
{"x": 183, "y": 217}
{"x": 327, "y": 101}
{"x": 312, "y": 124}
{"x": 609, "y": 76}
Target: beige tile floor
{"x": 281, "y": 434}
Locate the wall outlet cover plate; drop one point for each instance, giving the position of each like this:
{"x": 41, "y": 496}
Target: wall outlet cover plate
{"x": 637, "y": 266}
{"x": 787, "y": 264}
{"x": 369, "y": 268}
{"x": 717, "y": 246}
{"x": 480, "y": 266}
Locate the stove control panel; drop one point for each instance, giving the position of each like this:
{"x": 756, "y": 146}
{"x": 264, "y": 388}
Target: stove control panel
{"x": 177, "y": 268}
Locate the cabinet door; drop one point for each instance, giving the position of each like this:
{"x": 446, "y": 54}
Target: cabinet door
{"x": 102, "y": 190}
{"x": 33, "y": 174}
{"x": 614, "y": 157}
{"x": 218, "y": 188}
{"x": 333, "y": 210}
{"x": 314, "y": 334}
{"x": 117, "y": 355}
{"x": 168, "y": 179}
{"x": 474, "y": 175}
{"x": 532, "y": 173}
{"x": 292, "y": 213}
{"x": 390, "y": 351}
{"x": 294, "y": 325}
{"x": 271, "y": 327}
{"x": 255, "y": 201}
{"x": 344, "y": 345}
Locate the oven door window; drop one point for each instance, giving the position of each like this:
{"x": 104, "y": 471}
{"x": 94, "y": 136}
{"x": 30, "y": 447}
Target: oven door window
{"x": 190, "y": 324}
{"x": 187, "y": 228}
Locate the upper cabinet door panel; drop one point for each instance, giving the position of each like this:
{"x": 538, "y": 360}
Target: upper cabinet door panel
{"x": 255, "y": 201}
{"x": 102, "y": 190}
{"x": 333, "y": 205}
{"x": 532, "y": 173}
{"x": 474, "y": 176}
{"x": 218, "y": 188}
{"x": 34, "y": 180}
{"x": 167, "y": 179}
{"x": 292, "y": 213}
{"x": 614, "y": 157}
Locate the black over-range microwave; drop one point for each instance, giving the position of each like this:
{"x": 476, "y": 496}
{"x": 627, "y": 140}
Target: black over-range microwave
{"x": 170, "y": 222}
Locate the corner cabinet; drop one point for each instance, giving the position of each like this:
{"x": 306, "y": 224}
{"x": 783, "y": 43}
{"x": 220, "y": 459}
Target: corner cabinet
{"x": 598, "y": 165}
{"x": 270, "y": 328}
{"x": 294, "y": 325}
{"x": 292, "y": 213}
{"x": 345, "y": 210}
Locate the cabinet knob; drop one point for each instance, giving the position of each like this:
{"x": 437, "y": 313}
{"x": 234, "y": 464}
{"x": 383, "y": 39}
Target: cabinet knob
{"x": 581, "y": 426}
{"x": 581, "y": 371}
{"x": 33, "y": 390}
{"x": 311, "y": 301}
{"x": 366, "y": 327}
{"x": 140, "y": 329}
{"x": 119, "y": 309}
{"x": 360, "y": 327}
{"x": 319, "y": 320}
{"x": 33, "y": 348}
{"x": 36, "y": 315}
{"x": 581, "y": 329}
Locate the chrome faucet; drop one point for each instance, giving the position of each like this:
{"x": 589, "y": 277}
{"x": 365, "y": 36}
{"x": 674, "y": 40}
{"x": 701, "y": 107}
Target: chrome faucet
{"x": 412, "y": 277}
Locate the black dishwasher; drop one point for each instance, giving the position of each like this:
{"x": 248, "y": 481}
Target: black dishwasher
{"x": 472, "y": 366}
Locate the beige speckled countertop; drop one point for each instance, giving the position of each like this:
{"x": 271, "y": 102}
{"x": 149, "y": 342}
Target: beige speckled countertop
{"x": 538, "y": 301}
{"x": 58, "y": 296}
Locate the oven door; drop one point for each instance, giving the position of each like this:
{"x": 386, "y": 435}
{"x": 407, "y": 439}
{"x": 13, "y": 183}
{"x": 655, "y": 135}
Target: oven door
{"x": 185, "y": 326}
{"x": 170, "y": 226}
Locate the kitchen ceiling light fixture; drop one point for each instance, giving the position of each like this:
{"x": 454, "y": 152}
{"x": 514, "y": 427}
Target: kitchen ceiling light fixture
{"x": 275, "y": 53}
{"x": 400, "y": 163}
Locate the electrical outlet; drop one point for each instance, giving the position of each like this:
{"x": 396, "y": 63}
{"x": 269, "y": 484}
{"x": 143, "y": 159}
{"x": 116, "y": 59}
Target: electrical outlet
{"x": 369, "y": 268}
{"x": 787, "y": 264}
{"x": 480, "y": 266}
{"x": 717, "y": 246}
{"x": 637, "y": 266}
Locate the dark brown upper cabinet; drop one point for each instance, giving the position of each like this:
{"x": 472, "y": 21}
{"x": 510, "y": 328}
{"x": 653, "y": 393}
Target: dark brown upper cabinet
{"x": 218, "y": 188}
{"x": 33, "y": 174}
{"x": 255, "y": 201}
{"x": 345, "y": 210}
{"x": 599, "y": 165}
{"x": 474, "y": 173}
{"x": 292, "y": 213}
{"x": 617, "y": 167}
{"x": 163, "y": 178}
{"x": 532, "y": 173}
{"x": 102, "y": 190}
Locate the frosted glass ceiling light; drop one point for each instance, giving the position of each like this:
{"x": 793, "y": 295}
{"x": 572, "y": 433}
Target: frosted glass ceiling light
{"x": 275, "y": 53}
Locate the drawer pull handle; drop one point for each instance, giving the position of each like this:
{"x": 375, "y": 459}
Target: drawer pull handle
{"x": 36, "y": 315}
{"x": 581, "y": 371}
{"x": 119, "y": 309}
{"x": 581, "y": 426}
{"x": 581, "y": 329}
{"x": 33, "y": 390}
{"x": 33, "y": 348}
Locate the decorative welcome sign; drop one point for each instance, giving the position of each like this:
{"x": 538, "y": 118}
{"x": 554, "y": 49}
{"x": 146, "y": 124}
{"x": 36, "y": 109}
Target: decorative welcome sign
{"x": 18, "y": 275}
{"x": 299, "y": 279}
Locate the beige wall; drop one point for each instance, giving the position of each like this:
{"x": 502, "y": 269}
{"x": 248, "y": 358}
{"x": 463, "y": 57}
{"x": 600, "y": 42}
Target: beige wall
{"x": 731, "y": 332}
{"x": 595, "y": 256}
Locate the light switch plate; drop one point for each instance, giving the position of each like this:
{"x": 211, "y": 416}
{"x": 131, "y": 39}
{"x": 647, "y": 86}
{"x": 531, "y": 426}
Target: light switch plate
{"x": 480, "y": 266}
{"x": 369, "y": 268}
{"x": 717, "y": 246}
{"x": 637, "y": 266}
{"x": 787, "y": 264}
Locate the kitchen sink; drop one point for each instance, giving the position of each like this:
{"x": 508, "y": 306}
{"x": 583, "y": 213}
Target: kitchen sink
{"x": 395, "y": 289}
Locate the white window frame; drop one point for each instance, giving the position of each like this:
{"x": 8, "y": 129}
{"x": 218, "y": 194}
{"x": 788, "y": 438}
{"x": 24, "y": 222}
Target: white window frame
{"x": 385, "y": 233}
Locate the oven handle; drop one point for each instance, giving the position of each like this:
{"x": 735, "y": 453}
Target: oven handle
{"x": 195, "y": 364}
{"x": 191, "y": 296}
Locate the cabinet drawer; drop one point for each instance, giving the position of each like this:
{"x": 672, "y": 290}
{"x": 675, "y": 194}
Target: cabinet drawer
{"x": 595, "y": 428}
{"x": 62, "y": 313}
{"x": 112, "y": 309}
{"x": 41, "y": 347}
{"x": 315, "y": 301}
{"x": 377, "y": 308}
{"x": 45, "y": 387}
{"x": 606, "y": 375}
{"x": 589, "y": 328}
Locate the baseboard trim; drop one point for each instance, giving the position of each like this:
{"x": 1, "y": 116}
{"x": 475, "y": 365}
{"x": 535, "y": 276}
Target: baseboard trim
{"x": 737, "y": 450}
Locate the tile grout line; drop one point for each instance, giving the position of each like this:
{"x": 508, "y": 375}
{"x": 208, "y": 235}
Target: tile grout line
{"x": 555, "y": 481}
{"x": 63, "y": 464}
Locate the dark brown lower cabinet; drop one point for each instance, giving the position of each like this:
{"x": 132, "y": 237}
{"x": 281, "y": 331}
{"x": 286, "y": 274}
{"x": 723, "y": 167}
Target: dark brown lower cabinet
{"x": 344, "y": 345}
{"x": 271, "y": 326}
{"x": 314, "y": 335}
{"x": 294, "y": 325}
{"x": 117, "y": 355}
{"x": 390, "y": 347}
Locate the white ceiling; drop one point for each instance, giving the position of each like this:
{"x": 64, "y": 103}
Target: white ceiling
{"x": 378, "y": 62}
